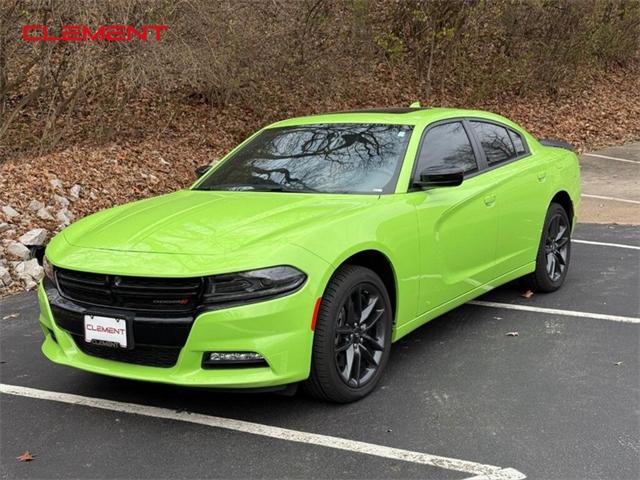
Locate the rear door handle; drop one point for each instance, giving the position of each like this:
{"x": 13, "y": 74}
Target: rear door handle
{"x": 542, "y": 176}
{"x": 489, "y": 200}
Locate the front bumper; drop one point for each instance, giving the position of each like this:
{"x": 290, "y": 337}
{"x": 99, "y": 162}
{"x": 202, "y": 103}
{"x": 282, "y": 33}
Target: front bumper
{"x": 278, "y": 329}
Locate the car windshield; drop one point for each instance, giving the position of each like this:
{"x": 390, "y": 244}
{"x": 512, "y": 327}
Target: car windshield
{"x": 324, "y": 158}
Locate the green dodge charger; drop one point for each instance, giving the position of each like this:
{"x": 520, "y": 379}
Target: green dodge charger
{"x": 302, "y": 255}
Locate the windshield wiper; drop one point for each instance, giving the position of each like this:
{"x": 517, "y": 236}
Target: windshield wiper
{"x": 246, "y": 187}
{"x": 271, "y": 188}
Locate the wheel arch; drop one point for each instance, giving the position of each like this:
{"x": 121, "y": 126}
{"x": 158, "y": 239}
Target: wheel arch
{"x": 564, "y": 200}
{"x": 381, "y": 264}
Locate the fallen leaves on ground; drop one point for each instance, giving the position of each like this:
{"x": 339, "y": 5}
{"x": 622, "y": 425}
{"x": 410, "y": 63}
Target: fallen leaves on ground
{"x": 511, "y": 334}
{"x": 25, "y": 457}
{"x": 528, "y": 294}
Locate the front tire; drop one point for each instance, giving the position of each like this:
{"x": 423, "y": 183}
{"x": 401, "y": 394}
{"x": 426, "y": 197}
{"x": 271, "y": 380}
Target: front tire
{"x": 352, "y": 337}
{"x": 554, "y": 252}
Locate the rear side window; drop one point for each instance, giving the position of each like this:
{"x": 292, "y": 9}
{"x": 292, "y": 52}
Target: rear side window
{"x": 495, "y": 141}
{"x": 447, "y": 145}
{"x": 518, "y": 143}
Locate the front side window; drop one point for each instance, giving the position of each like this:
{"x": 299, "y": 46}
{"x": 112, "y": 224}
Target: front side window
{"x": 447, "y": 145}
{"x": 325, "y": 158}
{"x": 495, "y": 142}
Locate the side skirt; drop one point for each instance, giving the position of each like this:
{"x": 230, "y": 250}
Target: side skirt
{"x": 401, "y": 330}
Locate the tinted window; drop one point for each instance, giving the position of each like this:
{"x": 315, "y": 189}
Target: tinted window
{"x": 447, "y": 145}
{"x": 495, "y": 142}
{"x": 518, "y": 143}
{"x": 328, "y": 158}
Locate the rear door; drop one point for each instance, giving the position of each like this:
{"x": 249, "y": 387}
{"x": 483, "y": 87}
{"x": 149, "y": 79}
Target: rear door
{"x": 521, "y": 188}
{"x": 457, "y": 225}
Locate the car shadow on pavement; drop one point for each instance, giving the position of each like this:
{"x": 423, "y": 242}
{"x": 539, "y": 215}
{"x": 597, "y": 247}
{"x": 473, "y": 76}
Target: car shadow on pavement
{"x": 407, "y": 365}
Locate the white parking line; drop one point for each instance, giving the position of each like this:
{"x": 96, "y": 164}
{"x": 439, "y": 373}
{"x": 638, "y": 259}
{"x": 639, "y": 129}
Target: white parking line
{"x": 615, "y": 199}
{"x": 555, "y": 311}
{"x": 489, "y": 471}
{"x": 504, "y": 474}
{"x": 611, "y": 158}
{"x": 604, "y": 244}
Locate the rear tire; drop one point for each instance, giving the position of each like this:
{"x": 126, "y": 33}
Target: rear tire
{"x": 554, "y": 252}
{"x": 352, "y": 337}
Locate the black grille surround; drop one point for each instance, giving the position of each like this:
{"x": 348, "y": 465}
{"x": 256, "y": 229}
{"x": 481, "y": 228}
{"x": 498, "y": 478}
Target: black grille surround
{"x": 136, "y": 294}
{"x": 160, "y": 330}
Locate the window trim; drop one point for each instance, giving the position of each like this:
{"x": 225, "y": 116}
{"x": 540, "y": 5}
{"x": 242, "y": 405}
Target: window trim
{"x": 480, "y": 162}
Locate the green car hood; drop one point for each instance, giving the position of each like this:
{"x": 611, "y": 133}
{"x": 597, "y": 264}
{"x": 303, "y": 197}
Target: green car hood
{"x": 191, "y": 222}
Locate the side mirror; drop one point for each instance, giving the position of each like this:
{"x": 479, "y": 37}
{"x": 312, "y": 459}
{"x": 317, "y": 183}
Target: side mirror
{"x": 200, "y": 171}
{"x": 440, "y": 176}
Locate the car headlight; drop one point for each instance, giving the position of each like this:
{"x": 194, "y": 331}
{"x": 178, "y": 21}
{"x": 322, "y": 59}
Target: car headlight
{"x": 254, "y": 284}
{"x": 48, "y": 269}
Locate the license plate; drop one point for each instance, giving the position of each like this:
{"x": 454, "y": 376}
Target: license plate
{"x": 107, "y": 331}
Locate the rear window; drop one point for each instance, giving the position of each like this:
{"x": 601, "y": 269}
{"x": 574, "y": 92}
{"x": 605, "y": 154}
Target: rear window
{"x": 496, "y": 142}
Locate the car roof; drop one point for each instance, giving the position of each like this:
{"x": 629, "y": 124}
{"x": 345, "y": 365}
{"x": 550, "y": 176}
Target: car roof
{"x": 401, "y": 116}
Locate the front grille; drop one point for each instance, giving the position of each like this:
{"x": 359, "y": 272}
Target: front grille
{"x": 148, "y": 355}
{"x": 139, "y": 294}
{"x": 158, "y": 337}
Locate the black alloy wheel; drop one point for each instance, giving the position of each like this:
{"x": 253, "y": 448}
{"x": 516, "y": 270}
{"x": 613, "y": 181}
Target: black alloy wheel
{"x": 556, "y": 246}
{"x": 360, "y": 336}
{"x": 554, "y": 252}
{"x": 352, "y": 338}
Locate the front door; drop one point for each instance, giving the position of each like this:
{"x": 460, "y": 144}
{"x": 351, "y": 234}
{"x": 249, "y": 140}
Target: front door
{"x": 457, "y": 225}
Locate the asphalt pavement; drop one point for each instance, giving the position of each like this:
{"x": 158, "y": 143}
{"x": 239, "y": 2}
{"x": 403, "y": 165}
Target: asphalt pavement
{"x": 560, "y": 400}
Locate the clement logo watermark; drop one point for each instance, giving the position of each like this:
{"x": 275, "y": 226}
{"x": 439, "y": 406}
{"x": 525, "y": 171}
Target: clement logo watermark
{"x": 84, "y": 33}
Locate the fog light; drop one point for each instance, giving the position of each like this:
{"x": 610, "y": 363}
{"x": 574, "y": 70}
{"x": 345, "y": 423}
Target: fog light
{"x": 229, "y": 359}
